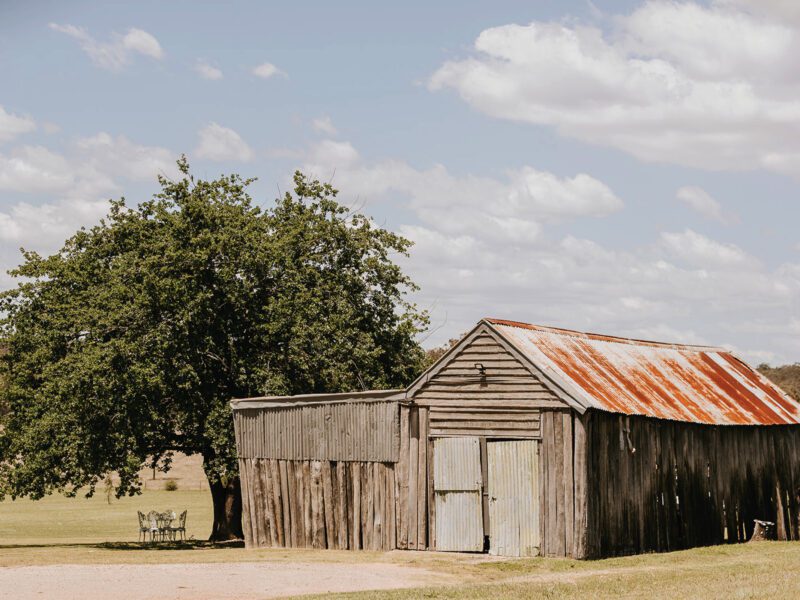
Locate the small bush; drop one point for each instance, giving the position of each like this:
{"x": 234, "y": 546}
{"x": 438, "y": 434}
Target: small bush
{"x": 170, "y": 485}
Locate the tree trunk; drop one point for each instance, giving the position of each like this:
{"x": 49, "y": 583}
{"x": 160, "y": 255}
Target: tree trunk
{"x": 227, "y": 499}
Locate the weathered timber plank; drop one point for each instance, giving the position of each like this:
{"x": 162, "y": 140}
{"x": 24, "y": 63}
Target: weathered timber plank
{"x": 422, "y": 480}
{"x": 269, "y": 501}
{"x": 504, "y": 433}
{"x": 413, "y": 473}
{"x": 317, "y": 516}
{"x": 367, "y": 497}
{"x": 451, "y": 402}
{"x": 246, "y": 521}
{"x": 580, "y": 473}
{"x": 331, "y": 539}
{"x": 431, "y": 500}
{"x": 377, "y": 508}
{"x": 552, "y": 484}
{"x": 484, "y": 416}
{"x": 391, "y": 505}
{"x": 341, "y": 505}
{"x": 402, "y": 477}
{"x": 285, "y": 495}
{"x": 277, "y": 501}
{"x": 485, "y": 423}
{"x": 569, "y": 482}
{"x": 308, "y": 525}
{"x": 355, "y": 474}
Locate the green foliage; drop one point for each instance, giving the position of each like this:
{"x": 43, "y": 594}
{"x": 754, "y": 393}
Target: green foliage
{"x": 128, "y": 343}
{"x": 170, "y": 485}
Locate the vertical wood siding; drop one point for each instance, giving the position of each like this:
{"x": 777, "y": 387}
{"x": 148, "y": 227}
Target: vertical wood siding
{"x": 557, "y": 483}
{"x": 318, "y": 504}
{"x": 686, "y": 484}
{"x": 364, "y": 431}
{"x": 414, "y": 490}
{"x": 505, "y": 403}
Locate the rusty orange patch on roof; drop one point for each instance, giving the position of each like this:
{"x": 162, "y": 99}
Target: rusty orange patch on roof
{"x": 681, "y": 382}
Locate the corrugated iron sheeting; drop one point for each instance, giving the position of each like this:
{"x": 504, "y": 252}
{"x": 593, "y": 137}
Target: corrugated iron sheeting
{"x": 457, "y": 464}
{"x": 364, "y": 431}
{"x": 513, "y": 498}
{"x": 669, "y": 381}
{"x": 457, "y": 491}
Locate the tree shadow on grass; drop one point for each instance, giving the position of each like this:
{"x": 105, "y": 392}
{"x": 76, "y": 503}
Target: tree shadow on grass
{"x": 183, "y": 545}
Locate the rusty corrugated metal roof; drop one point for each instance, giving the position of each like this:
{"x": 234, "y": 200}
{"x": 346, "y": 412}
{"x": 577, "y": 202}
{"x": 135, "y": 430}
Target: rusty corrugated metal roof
{"x": 670, "y": 381}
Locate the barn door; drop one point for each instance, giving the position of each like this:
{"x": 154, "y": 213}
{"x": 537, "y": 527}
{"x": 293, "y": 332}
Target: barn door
{"x": 513, "y": 498}
{"x": 457, "y": 492}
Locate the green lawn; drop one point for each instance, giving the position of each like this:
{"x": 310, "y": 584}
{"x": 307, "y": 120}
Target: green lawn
{"x": 59, "y": 530}
{"x": 59, "y": 520}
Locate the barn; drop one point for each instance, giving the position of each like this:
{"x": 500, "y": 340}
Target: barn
{"x": 525, "y": 440}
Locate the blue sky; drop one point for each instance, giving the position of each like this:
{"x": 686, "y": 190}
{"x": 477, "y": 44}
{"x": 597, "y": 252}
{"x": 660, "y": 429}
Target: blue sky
{"x": 622, "y": 167}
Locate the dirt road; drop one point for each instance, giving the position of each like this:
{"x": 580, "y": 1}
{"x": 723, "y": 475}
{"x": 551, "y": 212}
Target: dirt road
{"x": 217, "y": 581}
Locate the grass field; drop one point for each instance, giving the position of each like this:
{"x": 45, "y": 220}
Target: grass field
{"x": 56, "y": 519}
{"x": 59, "y": 530}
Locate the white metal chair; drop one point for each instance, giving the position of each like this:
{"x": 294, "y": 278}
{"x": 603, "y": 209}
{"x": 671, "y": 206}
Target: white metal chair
{"x": 181, "y": 528}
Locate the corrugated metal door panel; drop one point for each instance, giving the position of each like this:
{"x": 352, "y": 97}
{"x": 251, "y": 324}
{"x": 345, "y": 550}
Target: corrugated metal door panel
{"x": 513, "y": 498}
{"x": 457, "y": 491}
{"x": 459, "y": 527}
{"x": 457, "y": 464}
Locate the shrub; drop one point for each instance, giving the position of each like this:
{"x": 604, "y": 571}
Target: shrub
{"x": 171, "y": 485}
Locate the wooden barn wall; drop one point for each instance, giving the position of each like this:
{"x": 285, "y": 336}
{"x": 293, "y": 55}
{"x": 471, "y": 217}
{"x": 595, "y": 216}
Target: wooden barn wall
{"x": 562, "y": 484}
{"x": 361, "y": 431}
{"x": 657, "y": 485}
{"x": 414, "y": 471}
{"x": 318, "y": 504}
{"x": 505, "y": 403}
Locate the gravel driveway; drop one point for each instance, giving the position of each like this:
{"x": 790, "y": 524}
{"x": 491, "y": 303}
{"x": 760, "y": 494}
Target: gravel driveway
{"x": 240, "y": 581}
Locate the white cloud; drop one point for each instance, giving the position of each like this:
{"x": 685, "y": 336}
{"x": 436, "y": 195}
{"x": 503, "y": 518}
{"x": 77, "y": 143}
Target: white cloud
{"x": 12, "y": 126}
{"x": 76, "y": 184}
{"x": 699, "y": 251}
{"x": 702, "y": 202}
{"x": 711, "y": 87}
{"x": 117, "y": 52}
{"x": 207, "y": 71}
{"x": 220, "y": 143}
{"x": 267, "y": 70}
{"x": 35, "y": 169}
{"x": 512, "y": 209}
{"x": 497, "y": 247}
{"x": 324, "y": 125}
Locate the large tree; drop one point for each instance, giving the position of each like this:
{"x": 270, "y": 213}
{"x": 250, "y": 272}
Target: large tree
{"x": 128, "y": 344}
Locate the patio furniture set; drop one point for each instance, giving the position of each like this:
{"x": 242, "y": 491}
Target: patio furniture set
{"x": 159, "y": 526}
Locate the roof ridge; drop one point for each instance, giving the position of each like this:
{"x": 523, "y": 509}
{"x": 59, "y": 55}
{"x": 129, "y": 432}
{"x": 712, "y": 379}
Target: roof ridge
{"x": 604, "y": 337}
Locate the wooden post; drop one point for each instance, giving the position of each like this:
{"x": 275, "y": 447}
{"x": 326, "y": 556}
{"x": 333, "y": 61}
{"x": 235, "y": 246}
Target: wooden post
{"x": 355, "y": 475}
{"x": 422, "y": 480}
{"x": 485, "y": 486}
{"x": 413, "y": 474}
{"x": 402, "y": 476}
{"x": 327, "y": 504}
{"x": 580, "y": 541}
{"x": 431, "y": 500}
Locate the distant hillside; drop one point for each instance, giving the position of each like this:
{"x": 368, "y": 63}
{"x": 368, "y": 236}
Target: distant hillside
{"x": 786, "y": 377}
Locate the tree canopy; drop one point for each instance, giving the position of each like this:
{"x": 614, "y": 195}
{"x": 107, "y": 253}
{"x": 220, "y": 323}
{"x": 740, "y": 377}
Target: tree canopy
{"x": 128, "y": 343}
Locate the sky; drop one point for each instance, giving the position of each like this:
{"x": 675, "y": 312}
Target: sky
{"x": 629, "y": 168}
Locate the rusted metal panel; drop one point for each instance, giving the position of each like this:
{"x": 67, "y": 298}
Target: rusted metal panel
{"x": 457, "y": 492}
{"x": 364, "y": 431}
{"x": 669, "y": 381}
{"x": 513, "y": 498}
